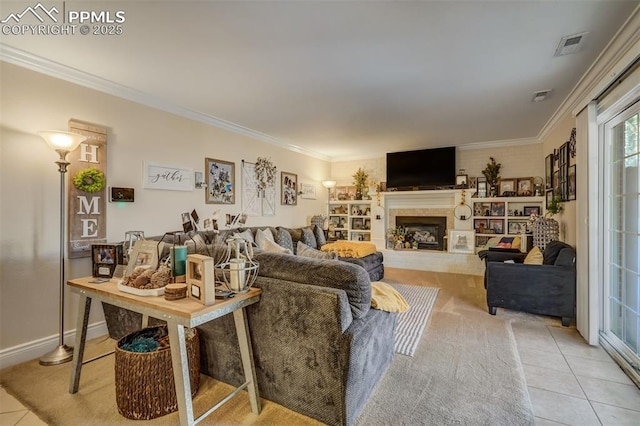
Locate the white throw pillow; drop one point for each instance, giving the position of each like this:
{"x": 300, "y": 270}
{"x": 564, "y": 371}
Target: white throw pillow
{"x": 274, "y": 248}
{"x": 262, "y": 236}
{"x": 245, "y": 235}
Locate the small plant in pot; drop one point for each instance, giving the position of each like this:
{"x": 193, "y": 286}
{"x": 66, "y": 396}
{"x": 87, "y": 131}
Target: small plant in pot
{"x": 360, "y": 178}
{"x": 555, "y": 206}
{"x": 492, "y": 174}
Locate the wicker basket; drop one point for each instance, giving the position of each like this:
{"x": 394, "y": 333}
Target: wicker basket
{"x": 145, "y": 388}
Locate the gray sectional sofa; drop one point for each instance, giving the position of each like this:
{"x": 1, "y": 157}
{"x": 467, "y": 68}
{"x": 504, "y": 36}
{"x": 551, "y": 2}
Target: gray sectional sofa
{"x": 319, "y": 348}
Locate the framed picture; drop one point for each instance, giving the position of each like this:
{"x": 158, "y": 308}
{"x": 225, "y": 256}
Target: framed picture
{"x": 482, "y": 209}
{"x": 145, "y": 253}
{"x": 288, "y": 189}
{"x": 572, "y": 183}
{"x": 481, "y": 187}
{"x": 105, "y": 259}
{"x": 529, "y": 210}
{"x": 496, "y": 225}
{"x": 307, "y": 191}
{"x": 462, "y": 241}
{"x": 548, "y": 171}
{"x": 462, "y": 181}
{"x": 497, "y": 209}
{"x": 517, "y": 226}
{"x": 525, "y": 187}
{"x": 506, "y": 185}
{"x": 220, "y": 181}
{"x": 549, "y": 197}
{"x": 556, "y": 182}
{"x": 481, "y": 225}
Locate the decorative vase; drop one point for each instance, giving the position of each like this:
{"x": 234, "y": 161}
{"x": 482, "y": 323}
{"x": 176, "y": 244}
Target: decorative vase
{"x": 358, "y": 194}
{"x": 545, "y": 230}
{"x": 493, "y": 191}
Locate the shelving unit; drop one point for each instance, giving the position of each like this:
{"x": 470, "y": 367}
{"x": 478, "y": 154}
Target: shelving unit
{"x": 503, "y": 216}
{"x": 350, "y": 220}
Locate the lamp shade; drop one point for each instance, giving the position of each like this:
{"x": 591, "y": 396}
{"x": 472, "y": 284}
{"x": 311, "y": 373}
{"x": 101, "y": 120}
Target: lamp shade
{"x": 328, "y": 183}
{"x": 62, "y": 141}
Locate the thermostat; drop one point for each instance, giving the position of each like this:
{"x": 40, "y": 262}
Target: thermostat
{"x": 121, "y": 194}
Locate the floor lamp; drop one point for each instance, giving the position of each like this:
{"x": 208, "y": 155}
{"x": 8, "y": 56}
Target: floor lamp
{"x": 329, "y": 184}
{"x": 62, "y": 143}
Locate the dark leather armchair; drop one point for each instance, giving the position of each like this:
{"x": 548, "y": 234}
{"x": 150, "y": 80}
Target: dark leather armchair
{"x": 547, "y": 289}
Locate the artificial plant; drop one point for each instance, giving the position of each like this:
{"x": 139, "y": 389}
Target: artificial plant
{"x": 492, "y": 172}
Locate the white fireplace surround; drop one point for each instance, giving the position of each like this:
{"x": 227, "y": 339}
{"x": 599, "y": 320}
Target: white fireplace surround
{"x": 424, "y": 203}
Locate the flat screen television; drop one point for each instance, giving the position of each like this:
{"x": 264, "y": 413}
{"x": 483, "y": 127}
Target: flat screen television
{"x": 424, "y": 169}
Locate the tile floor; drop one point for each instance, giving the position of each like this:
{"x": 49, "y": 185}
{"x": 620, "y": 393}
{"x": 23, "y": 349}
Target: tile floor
{"x": 572, "y": 383}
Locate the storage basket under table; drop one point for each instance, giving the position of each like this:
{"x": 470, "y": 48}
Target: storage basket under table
{"x": 145, "y": 388}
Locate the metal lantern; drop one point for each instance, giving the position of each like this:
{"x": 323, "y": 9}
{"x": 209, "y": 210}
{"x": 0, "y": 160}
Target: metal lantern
{"x": 238, "y": 271}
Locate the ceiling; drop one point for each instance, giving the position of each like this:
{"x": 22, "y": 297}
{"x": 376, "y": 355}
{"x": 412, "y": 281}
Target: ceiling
{"x": 346, "y": 79}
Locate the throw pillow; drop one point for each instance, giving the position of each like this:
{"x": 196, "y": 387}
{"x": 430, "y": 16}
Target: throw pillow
{"x": 262, "y": 235}
{"x": 493, "y": 242}
{"x": 283, "y": 238}
{"x": 306, "y": 251}
{"x": 308, "y": 238}
{"x": 505, "y": 242}
{"x": 534, "y": 257}
{"x": 319, "y": 234}
{"x": 273, "y": 247}
{"x": 552, "y": 251}
{"x": 246, "y": 235}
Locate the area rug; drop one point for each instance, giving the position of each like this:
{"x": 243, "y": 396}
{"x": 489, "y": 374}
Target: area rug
{"x": 411, "y": 324}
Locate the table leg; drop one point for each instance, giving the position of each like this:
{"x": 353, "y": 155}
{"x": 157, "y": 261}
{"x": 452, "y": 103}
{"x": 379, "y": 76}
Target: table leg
{"x": 246, "y": 352}
{"x": 82, "y": 321}
{"x": 145, "y": 321}
{"x": 180, "y": 364}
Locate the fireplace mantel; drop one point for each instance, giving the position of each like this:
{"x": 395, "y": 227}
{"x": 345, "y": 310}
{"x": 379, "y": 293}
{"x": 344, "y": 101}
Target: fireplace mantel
{"x": 406, "y": 202}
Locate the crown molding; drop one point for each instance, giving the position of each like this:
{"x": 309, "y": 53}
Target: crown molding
{"x": 619, "y": 53}
{"x": 63, "y": 72}
{"x": 499, "y": 144}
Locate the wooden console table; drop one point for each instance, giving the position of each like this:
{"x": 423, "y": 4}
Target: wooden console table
{"x": 178, "y": 314}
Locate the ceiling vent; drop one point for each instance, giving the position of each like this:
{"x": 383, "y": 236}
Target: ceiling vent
{"x": 571, "y": 44}
{"x": 541, "y": 95}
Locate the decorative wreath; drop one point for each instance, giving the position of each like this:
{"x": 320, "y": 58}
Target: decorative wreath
{"x": 89, "y": 180}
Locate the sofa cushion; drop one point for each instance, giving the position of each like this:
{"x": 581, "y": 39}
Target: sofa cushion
{"x": 319, "y": 233}
{"x": 353, "y": 279}
{"x": 273, "y": 247}
{"x": 552, "y": 250}
{"x": 262, "y": 235}
{"x": 283, "y": 238}
{"x": 246, "y": 235}
{"x": 305, "y": 251}
{"x": 309, "y": 238}
{"x": 534, "y": 257}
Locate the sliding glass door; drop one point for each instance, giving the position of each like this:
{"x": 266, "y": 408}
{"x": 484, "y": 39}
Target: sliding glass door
{"x": 622, "y": 234}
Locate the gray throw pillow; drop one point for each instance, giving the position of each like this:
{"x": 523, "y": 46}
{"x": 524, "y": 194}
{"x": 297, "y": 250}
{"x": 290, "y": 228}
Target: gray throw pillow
{"x": 319, "y": 233}
{"x": 283, "y": 238}
{"x": 246, "y": 235}
{"x": 306, "y": 251}
{"x": 308, "y": 238}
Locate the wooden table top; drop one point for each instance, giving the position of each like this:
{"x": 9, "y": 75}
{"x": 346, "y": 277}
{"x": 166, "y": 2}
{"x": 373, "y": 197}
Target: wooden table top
{"x": 185, "y": 308}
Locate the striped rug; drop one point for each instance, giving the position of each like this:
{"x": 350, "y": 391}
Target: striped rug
{"x": 411, "y": 323}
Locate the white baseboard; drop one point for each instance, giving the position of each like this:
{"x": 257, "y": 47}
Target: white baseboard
{"x": 37, "y": 348}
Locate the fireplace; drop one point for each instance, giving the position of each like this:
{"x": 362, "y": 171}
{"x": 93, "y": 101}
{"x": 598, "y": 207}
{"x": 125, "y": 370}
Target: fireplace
{"x": 427, "y": 231}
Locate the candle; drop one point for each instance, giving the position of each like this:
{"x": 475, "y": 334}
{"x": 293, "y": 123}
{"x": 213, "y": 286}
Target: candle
{"x": 236, "y": 274}
{"x": 178, "y": 260}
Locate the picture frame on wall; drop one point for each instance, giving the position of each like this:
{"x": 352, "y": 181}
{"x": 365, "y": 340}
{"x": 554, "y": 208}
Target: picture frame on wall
{"x": 288, "y": 189}
{"x": 105, "y": 258}
{"x": 308, "y": 191}
{"x": 571, "y": 182}
{"x": 548, "y": 171}
{"x": 220, "y": 180}
{"x": 549, "y": 197}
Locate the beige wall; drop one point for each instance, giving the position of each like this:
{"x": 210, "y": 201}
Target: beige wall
{"x": 553, "y": 140}
{"x": 29, "y": 187}
{"x": 518, "y": 160}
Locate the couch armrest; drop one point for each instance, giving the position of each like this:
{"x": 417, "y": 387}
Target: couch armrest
{"x": 501, "y": 256}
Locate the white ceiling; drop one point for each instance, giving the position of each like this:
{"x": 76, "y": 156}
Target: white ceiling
{"x": 347, "y": 79}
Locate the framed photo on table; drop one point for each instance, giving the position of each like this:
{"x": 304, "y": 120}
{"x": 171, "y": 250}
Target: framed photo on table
{"x": 145, "y": 253}
{"x": 105, "y": 259}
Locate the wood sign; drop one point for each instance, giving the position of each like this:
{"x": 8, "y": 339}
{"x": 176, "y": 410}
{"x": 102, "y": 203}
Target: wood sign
{"x": 87, "y": 190}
